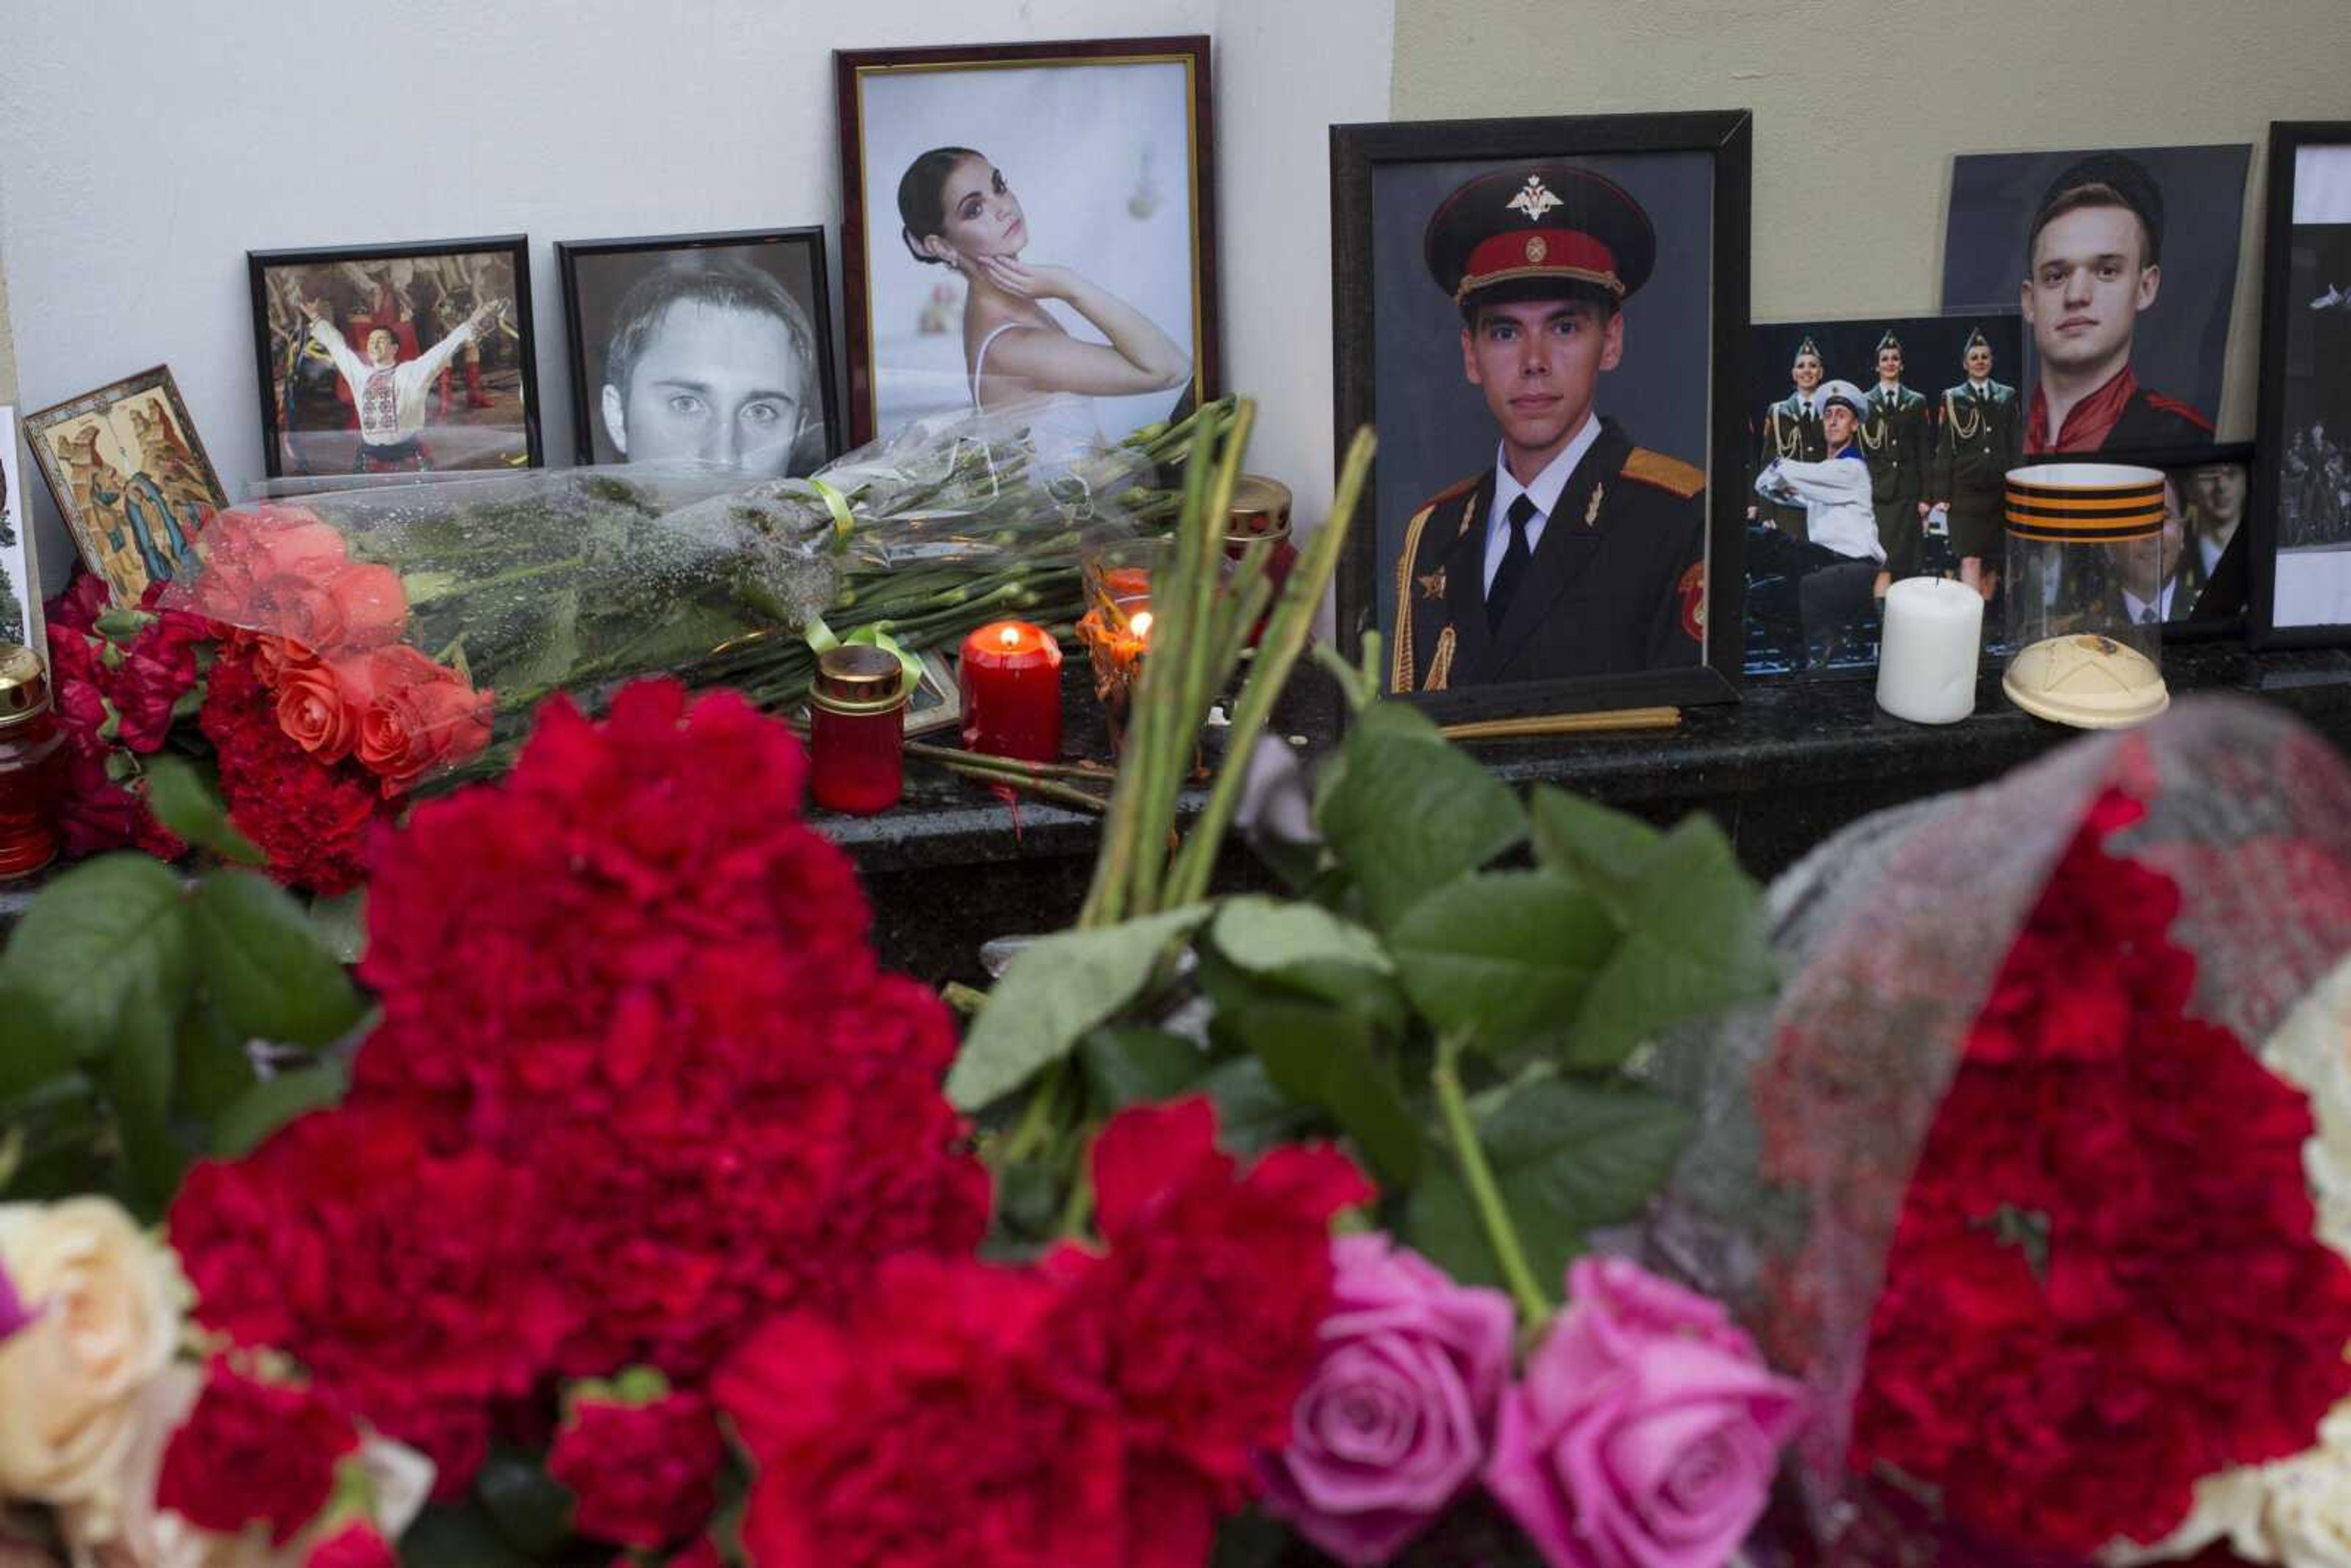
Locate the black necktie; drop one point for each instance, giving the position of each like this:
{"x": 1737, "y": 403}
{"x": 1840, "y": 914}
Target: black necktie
{"x": 1514, "y": 562}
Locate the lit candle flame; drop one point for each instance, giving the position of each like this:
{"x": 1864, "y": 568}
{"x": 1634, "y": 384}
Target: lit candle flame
{"x": 1142, "y": 624}
{"x": 1010, "y": 636}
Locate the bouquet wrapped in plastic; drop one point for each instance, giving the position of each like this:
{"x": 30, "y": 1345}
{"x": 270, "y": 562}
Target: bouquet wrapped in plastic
{"x": 2021, "y": 1176}
{"x": 414, "y": 626}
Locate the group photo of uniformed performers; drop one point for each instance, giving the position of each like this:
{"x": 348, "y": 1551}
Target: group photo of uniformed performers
{"x": 1541, "y": 367}
{"x": 2124, "y": 265}
{"x": 396, "y": 362}
{"x": 1030, "y": 238}
{"x": 1878, "y": 451}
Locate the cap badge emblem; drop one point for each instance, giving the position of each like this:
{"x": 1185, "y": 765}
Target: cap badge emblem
{"x": 1534, "y": 200}
{"x": 1537, "y": 248}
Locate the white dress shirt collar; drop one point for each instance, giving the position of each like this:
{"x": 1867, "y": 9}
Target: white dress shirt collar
{"x": 1544, "y": 493}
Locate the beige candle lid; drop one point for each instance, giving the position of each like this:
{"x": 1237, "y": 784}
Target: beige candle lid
{"x": 2085, "y": 681}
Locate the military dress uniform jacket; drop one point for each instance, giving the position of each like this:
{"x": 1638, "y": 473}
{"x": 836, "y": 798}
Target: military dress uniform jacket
{"x": 1980, "y": 439}
{"x": 1792, "y": 429}
{"x": 2152, "y": 420}
{"x": 1616, "y": 584}
{"x": 1896, "y": 441}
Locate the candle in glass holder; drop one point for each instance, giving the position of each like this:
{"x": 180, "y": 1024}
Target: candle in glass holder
{"x": 1010, "y": 679}
{"x": 32, "y": 765}
{"x": 1260, "y": 514}
{"x": 1927, "y": 656}
{"x": 857, "y": 729}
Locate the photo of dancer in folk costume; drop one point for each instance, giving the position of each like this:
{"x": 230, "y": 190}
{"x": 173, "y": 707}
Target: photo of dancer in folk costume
{"x": 391, "y": 393}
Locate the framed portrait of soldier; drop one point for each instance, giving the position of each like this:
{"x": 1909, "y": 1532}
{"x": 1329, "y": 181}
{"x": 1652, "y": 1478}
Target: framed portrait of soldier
{"x": 713, "y": 349}
{"x": 1545, "y": 319}
{"x": 20, "y": 571}
{"x": 2301, "y": 555}
{"x": 396, "y": 359}
{"x": 2124, "y": 264}
{"x": 129, "y": 476}
{"x": 1028, "y": 227}
{"x": 1906, "y": 481}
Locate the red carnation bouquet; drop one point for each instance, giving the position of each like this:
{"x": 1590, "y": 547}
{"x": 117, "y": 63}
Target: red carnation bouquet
{"x": 2032, "y": 1215}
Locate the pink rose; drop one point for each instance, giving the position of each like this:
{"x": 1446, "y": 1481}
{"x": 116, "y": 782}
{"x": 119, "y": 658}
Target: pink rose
{"x": 1646, "y": 1430}
{"x": 1397, "y": 1414}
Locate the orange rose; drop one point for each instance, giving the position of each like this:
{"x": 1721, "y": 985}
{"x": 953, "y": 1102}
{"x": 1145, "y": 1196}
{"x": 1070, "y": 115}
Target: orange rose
{"x": 352, "y": 605}
{"x": 424, "y": 718}
{"x": 244, "y": 549}
{"x": 319, "y": 703}
{"x": 271, "y": 654}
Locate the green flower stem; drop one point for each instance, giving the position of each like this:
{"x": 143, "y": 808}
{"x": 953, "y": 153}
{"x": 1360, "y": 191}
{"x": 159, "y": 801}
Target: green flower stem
{"x": 1044, "y": 789}
{"x": 1037, "y": 1118}
{"x": 1445, "y": 1078}
{"x": 949, "y": 754}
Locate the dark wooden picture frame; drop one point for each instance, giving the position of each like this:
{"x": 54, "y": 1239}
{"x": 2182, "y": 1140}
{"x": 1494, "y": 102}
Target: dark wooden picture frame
{"x": 2273, "y": 440}
{"x": 586, "y": 399}
{"x": 859, "y": 228}
{"x": 2230, "y": 581}
{"x": 1357, "y": 151}
{"x": 259, "y": 264}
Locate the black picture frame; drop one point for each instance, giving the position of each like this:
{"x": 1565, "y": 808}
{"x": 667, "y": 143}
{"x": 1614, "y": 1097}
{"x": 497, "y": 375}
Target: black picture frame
{"x": 850, "y": 69}
{"x": 808, "y": 238}
{"x": 259, "y": 264}
{"x": 2288, "y": 138}
{"x": 1356, "y": 153}
{"x": 2231, "y": 583}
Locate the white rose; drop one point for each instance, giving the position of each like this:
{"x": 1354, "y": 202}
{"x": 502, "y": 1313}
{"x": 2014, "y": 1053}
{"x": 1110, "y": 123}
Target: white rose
{"x": 2309, "y": 1515}
{"x": 2312, "y": 1050}
{"x": 109, "y": 1298}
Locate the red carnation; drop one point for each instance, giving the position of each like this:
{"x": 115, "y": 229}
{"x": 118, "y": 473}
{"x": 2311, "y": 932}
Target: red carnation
{"x": 645, "y": 1475}
{"x": 252, "y": 1450}
{"x": 389, "y": 1270}
{"x": 357, "y": 1545}
{"x": 2105, "y": 1283}
{"x": 937, "y": 1432}
{"x": 1201, "y": 1317}
{"x": 310, "y": 818}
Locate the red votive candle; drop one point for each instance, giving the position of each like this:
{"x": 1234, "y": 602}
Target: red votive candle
{"x": 1260, "y": 513}
{"x": 32, "y": 765}
{"x": 857, "y": 729}
{"x": 1010, "y": 677}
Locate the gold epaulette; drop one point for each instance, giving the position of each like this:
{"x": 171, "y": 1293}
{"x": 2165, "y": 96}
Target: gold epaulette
{"x": 1663, "y": 472}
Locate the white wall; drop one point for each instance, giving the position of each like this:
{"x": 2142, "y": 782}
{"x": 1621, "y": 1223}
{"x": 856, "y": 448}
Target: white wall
{"x": 149, "y": 146}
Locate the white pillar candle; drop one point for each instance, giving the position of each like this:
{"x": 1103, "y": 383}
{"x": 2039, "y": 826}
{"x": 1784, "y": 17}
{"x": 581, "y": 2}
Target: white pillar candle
{"x": 1927, "y": 658}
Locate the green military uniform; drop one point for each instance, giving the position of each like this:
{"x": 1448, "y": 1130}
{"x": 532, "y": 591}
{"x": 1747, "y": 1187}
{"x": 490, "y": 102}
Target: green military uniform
{"x": 1792, "y": 429}
{"x": 1896, "y": 441}
{"x": 1981, "y": 437}
{"x": 1617, "y": 585}
{"x": 1610, "y": 577}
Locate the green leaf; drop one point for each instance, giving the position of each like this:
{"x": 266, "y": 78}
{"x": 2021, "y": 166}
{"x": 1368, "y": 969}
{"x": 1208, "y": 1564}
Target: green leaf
{"x": 183, "y": 803}
{"x": 530, "y": 1509}
{"x": 1324, "y": 1056}
{"x": 264, "y": 965}
{"x": 1693, "y": 943}
{"x": 458, "y": 1535}
{"x": 341, "y": 924}
{"x": 1270, "y": 936}
{"x": 141, "y": 1073}
{"x": 215, "y": 1073}
{"x": 1053, "y": 992}
{"x": 38, "y": 1049}
{"x": 274, "y": 1102}
{"x": 104, "y": 948}
{"x": 1406, "y": 812}
{"x": 1607, "y": 852}
{"x": 1128, "y": 1063}
{"x": 1504, "y": 954}
{"x": 1029, "y": 1200}
{"x": 1250, "y": 1539}
{"x": 1252, "y": 1115}
{"x": 1567, "y": 1158}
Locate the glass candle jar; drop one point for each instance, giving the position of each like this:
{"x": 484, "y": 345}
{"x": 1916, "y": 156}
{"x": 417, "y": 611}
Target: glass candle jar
{"x": 2085, "y": 593}
{"x": 32, "y": 765}
{"x": 857, "y": 729}
{"x": 1260, "y": 514}
{"x": 1009, "y": 675}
